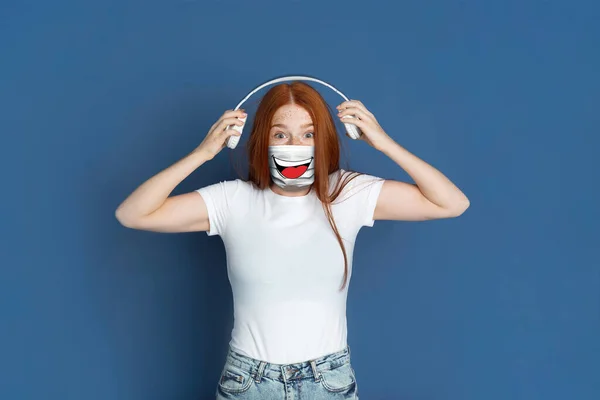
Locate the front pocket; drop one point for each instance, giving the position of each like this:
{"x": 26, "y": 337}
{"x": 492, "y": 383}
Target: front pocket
{"x": 338, "y": 379}
{"x": 234, "y": 381}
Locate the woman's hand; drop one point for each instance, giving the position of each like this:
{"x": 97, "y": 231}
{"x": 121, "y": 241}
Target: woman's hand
{"x": 217, "y": 136}
{"x": 373, "y": 134}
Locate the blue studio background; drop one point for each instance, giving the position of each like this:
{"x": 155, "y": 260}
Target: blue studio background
{"x": 96, "y": 97}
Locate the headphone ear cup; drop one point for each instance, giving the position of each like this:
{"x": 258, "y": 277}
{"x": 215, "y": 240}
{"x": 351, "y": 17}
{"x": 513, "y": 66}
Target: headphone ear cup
{"x": 352, "y": 130}
{"x": 232, "y": 141}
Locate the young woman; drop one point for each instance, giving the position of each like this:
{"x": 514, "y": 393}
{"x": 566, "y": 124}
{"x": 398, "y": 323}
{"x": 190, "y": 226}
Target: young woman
{"x": 289, "y": 233}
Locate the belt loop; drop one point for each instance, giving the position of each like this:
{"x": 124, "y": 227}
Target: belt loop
{"x": 259, "y": 373}
{"x": 316, "y": 372}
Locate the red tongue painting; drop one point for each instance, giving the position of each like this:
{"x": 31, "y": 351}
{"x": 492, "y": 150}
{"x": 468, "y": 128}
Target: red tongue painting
{"x": 294, "y": 172}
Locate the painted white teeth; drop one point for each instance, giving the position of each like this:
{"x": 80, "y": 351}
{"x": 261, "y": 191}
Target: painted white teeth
{"x": 283, "y": 163}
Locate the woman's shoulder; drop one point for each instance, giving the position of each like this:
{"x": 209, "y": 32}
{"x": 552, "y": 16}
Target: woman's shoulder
{"x": 349, "y": 176}
{"x": 352, "y": 181}
{"x": 341, "y": 174}
{"x": 229, "y": 188}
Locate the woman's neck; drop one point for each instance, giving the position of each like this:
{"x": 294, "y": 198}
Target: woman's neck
{"x": 290, "y": 192}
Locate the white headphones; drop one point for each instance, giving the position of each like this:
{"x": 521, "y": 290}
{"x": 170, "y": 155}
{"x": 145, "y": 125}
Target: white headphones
{"x": 352, "y": 130}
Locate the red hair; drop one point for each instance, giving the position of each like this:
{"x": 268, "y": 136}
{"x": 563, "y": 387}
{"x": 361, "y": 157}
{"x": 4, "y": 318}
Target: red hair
{"x": 327, "y": 146}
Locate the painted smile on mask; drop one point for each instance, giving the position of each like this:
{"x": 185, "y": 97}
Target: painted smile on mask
{"x": 292, "y": 169}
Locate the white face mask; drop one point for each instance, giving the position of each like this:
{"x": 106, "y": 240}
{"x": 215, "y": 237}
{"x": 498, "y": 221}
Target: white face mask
{"x": 291, "y": 166}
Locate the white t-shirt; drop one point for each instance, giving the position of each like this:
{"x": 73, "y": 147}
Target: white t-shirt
{"x": 286, "y": 267}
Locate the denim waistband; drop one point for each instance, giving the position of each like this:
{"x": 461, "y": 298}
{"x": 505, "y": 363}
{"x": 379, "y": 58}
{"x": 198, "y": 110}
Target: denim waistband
{"x": 286, "y": 372}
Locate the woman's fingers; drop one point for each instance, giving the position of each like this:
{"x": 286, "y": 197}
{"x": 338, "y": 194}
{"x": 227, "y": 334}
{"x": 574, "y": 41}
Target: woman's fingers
{"x": 224, "y": 123}
{"x": 229, "y": 114}
{"x": 355, "y": 111}
{"x": 355, "y": 104}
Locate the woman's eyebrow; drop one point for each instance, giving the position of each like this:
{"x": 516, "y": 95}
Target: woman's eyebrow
{"x": 285, "y": 126}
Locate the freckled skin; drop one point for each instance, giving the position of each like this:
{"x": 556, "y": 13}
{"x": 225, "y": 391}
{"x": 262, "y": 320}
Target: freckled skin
{"x": 293, "y": 116}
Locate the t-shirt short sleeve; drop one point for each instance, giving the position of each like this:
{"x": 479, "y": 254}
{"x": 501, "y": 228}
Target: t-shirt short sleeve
{"x": 219, "y": 200}
{"x": 360, "y": 198}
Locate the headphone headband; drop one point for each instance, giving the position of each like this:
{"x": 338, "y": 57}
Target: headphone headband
{"x": 289, "y": 78}
{"x": 351, "y": 129}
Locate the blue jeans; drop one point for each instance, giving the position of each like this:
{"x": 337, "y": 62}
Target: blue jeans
{"x": 324, "y": 378}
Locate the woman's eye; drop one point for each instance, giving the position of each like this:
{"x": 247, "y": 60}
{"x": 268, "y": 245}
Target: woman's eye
{"x": 279, "y": 135}
{"x": 310, "y": 135}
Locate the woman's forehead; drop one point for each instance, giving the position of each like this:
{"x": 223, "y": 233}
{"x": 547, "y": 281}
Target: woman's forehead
{"x": 291, "y": 112}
